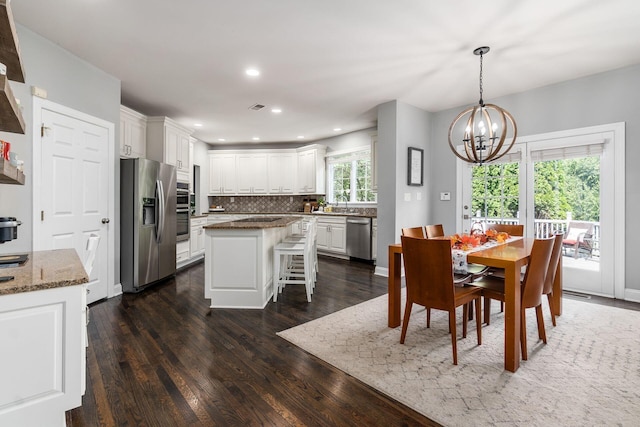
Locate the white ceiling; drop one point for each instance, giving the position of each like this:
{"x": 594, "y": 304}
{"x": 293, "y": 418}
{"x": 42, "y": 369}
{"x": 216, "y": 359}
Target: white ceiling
{"x": 329, "y": 63}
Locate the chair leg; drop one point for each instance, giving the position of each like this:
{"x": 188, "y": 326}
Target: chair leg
{"x": 478, "y": 321}
{"x": 523, "y": 334}
{"x": 470, "y": 312}
{"x": 405, "y": 321}
{"x": 428, "y": 317}
{"x": 552, "y": 309}
{"x": 541, "y": 332}
{"x": 487, "y": 310}
{"x": 454, "y": 343}
{"x": 501, "y": 306}
{"x": 465, "y": 315}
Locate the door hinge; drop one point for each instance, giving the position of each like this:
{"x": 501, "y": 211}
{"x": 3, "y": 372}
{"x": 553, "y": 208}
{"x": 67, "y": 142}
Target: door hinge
{"x": 41, "y": 215}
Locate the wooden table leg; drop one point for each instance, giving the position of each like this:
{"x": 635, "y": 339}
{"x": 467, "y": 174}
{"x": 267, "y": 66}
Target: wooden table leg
{"x": 512, "y": 317}
{"x": 394, "y": 285}
{"x": 557, "y": 289}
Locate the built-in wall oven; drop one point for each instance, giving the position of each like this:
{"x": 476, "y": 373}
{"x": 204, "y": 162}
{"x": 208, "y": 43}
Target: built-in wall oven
{"x": 182, "y": 211}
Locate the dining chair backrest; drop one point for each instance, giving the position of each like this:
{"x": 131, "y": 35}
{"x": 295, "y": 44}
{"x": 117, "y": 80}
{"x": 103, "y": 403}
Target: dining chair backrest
{"x": 428, "y": 272}
{"x": 414, "y": 232}
{"x": 435, "y": 230}
{"x": 511, "y": 229}
{"x": 534, "y": 278}
{"x": 553, "y": 264}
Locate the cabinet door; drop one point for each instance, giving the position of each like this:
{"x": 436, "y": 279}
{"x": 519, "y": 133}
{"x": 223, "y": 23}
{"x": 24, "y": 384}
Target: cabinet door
{"x": 338, "y": 241}
{"x": 322, "y": 237}
{"x": 137, "y": 136}
{"x": 222, "y": 174}
{"x": 124, "y": 150}
{"x": 193, "y": 241}
{"x": 251, "y": 173}
{"x": 171, "y": 146}
{"x": 282, "y": 173}
{"x": 307, "y": 172}
{"x": 182, "y": 153}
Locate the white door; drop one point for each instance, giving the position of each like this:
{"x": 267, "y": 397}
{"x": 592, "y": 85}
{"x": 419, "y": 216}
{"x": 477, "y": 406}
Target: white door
{"x": 74, "y": 191}
{"x": 524, "y": 188}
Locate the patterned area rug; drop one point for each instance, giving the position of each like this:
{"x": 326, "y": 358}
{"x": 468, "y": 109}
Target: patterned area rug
{"x": 587, "y": 375}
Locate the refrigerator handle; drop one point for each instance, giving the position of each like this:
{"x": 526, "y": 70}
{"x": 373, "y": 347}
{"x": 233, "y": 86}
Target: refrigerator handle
{"x": 161, "y": 211}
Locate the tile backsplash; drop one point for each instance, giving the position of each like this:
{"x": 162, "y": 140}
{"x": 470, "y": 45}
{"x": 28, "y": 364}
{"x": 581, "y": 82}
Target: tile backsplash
{"x": 275, "y": 204}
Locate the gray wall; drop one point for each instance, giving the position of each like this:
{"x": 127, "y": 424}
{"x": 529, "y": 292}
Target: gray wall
{"x": 71, "y": 82}
{"x": 400, "y": 126}
{"x": 594, "y": 100}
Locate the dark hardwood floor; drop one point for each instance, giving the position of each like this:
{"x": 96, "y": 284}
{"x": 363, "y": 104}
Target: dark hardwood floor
{"x": 164, "y": 358}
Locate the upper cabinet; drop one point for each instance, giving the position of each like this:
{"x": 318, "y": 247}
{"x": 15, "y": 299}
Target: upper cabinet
{"x": 133, "y": 133}
{"x": 168, "y": 142}
{"x": 253, "y": 176}
{"x": 282, "y": 171}
{"x": 311, "y": 169}
{"x": 277, "y": 171}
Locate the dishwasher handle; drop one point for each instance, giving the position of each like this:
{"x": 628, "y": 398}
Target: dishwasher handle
{"x": 358, "y": 221}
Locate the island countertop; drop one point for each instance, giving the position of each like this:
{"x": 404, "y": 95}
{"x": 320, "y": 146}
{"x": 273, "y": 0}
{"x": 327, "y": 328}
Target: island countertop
{"x": 44, "y": 270}
{"x": 256, "y": 222}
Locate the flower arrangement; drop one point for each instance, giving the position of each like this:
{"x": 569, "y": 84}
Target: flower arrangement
{"x": 468, "y": 241}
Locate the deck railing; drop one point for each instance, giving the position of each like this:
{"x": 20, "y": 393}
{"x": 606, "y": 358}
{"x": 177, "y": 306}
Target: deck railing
{"x": 546, "y": 228}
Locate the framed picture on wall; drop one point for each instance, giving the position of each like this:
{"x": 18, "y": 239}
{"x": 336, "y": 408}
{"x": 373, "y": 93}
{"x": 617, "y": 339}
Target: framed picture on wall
{"x": 416, "y": 166}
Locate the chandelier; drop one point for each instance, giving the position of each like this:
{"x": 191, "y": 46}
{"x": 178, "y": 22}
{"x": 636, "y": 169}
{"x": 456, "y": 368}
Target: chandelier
{"x": 482, "y": 129}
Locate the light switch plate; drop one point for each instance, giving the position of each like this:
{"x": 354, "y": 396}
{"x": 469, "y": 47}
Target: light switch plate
{"x": 407, "y": 197}
{"x": 418, "y": 196}
{"x": 445, "y": 196}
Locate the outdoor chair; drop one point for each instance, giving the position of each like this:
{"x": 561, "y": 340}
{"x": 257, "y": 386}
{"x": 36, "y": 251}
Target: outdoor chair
{"x": 579, "y": 238}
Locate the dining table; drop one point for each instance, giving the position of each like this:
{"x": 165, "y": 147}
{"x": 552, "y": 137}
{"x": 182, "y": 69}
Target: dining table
{"x": 512, "y": 256}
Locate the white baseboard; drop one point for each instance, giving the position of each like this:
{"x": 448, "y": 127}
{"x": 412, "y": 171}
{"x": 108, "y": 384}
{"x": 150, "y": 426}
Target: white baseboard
{"x": 381, "y": 271}
{"x": 632, "y": 295}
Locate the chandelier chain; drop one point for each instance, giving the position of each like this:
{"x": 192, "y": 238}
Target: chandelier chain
{"x": 481, "y": 101}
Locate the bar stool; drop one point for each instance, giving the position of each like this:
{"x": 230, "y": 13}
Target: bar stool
{"x": 295, "y": 263}
{"x": 284, "y": 274}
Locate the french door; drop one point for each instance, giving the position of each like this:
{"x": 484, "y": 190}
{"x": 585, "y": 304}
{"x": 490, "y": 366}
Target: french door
{"x": 554, "y": 183}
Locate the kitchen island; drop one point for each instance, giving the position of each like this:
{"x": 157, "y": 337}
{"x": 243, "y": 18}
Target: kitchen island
{"x": 43, "y": 338}
{"x": 239, "y": 260}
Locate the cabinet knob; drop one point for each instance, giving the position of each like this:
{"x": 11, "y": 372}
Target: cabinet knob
{"x": 105, "y": 220}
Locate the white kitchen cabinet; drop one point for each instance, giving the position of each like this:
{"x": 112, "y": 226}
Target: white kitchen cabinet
{"x": 182, "y": 253}
{"x": 282, "y": 172}
{"x": 332, "y": 234}
{"x": 222, "y": 174}
{"x": 43, "y": 356}
{"x": 311, "y": 169}
{"x": 251, "y": 172}
{"x": 168, "y": 142}
{"x": 196, "y": 238}
{"x": 133, "y": 133}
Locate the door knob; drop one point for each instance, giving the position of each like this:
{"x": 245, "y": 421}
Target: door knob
{"x": 105, "y": 220}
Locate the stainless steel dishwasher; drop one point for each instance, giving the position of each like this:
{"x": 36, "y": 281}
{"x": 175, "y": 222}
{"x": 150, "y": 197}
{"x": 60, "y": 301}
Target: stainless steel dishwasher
{"x": 359, "y": 237}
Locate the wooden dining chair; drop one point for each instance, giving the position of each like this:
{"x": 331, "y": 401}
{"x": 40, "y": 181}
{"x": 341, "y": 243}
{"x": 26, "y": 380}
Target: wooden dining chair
{"x": 414, "y": 232}
{"x": 531, "y": 292}
{"x": 511, "y": 229}
{"x": 429, "y": 279}
{"x": 434, "y": 230}
{"x": 552, "y": 271}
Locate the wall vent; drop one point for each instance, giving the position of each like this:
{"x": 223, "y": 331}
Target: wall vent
{"x": 256, "y": 107}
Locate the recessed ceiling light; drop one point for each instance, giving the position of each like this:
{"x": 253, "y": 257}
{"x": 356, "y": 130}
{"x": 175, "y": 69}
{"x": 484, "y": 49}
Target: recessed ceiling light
{"x": 255, "y": 138}
{"x": 337, "y": 129}
{"x": 276, "y": 110}
{"x": 198, "y": 125}
{"x": 221, "y": 139}
{"x": 300, "y": 136}
{"x": 252, "y": 72}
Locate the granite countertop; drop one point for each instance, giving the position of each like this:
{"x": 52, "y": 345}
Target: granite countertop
{"x": 256, "y": 222}
{"x": 319, "y": 214}
{"x": 45, "y": 270}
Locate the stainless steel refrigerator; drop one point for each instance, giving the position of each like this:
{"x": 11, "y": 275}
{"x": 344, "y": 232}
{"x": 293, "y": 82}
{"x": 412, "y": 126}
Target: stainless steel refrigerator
{"x": 147, "y": 223}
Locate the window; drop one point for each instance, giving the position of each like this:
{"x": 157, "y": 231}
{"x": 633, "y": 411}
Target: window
{"x": 349, "y": 177}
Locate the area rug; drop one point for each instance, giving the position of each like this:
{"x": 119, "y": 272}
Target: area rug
{"x": 587, "y": 375}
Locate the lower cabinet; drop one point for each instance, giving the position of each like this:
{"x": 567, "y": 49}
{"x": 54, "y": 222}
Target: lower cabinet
{"x": 42, "y": 356}
{"x": 197, "y": 237}
{"x": 182, "y": 253}
{"x": 332, "y": 234}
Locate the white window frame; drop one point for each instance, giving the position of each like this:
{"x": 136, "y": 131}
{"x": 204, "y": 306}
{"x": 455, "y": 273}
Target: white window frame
{"x": 343, "y": 156}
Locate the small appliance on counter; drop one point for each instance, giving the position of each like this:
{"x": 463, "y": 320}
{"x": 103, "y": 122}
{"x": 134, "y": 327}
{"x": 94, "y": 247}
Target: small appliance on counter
{"x": 8, "y": 228}
{"x": 216, "y": 209}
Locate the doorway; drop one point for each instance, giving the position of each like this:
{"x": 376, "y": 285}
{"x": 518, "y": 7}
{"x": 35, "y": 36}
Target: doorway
{"x": 73, "y": 190}
{"x": 569, "y": 182}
